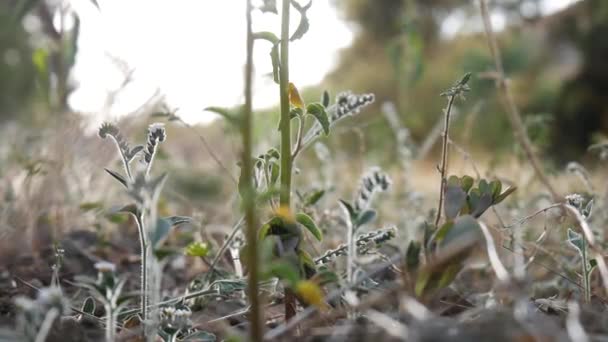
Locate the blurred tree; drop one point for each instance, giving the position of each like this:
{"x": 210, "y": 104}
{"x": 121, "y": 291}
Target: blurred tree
{"x": 17, "y": 84}
{"x": 38, "y": 46}
{"x": 581, "y": 109}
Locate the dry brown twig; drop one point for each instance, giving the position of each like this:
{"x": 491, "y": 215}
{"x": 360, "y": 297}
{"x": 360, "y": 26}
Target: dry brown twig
{"x": 512, "y": 111}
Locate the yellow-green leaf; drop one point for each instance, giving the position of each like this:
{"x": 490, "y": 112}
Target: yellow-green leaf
{"x": 294, "y": 96}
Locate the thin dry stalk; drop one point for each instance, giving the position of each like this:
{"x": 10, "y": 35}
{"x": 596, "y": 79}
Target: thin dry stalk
{"x": 512, "y": 110}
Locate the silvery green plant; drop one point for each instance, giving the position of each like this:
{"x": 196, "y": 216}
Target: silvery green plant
{"x": 578, "y": 242}
{"x": 145, "y": 191}
{"x": 107, "y": 289}
{"x": 358, "y": 213}
{"x": 36, "y": 317}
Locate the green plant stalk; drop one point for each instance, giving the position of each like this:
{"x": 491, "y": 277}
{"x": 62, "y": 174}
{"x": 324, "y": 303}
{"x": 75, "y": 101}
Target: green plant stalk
{"x": 256, "y": 331}
{"x": 444, "y": 157}
{"x": 586, "y": 271}
{"x": 285, "y": 128}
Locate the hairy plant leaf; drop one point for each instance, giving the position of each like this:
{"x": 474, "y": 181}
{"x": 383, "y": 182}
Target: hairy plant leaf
{"x": 177, "y": 220}
{"x": 296, "y": 113}
{"x": 365, "y": 217}
{"x": 309, "y": 224}
{"x": 348, "y": 207}
{"x": 160, "y": 232}
{"x": 88, "y": 306}
{"x": 129, "y": 209}
{"x": 318, "y": 111}
{"x": 303, "y": 26}
{"x": 118, "y": 177}
{"x": 576, "y": 240}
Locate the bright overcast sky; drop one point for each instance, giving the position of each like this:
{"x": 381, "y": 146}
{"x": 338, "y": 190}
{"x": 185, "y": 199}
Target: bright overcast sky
{"x": 194, "y": 52}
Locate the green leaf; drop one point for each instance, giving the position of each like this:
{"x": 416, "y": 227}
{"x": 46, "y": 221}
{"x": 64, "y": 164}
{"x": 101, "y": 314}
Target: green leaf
{"x": 129, "y": 209}
{"x": 303, "y": 26}
{"x": 284, "y": 271}
{"x": 505, "y": 194}
{"x": 318, "y": 111}
{"x": 160, "y": 232}
{"x": 412, "y": 255}
{"x": 455, "y": 198}
{"x": 453, "y": 181}
{"x": 348, "y": 207}
{"x": 276, "y": 62}
{"x": 484, "y": 187}
{"x": 467, "y": 183}
{"x": 177, "y": 220}
{"x": 295, "y": 113}
{"x": 268, "y": 36}
{"x": 274, "y": 172}
{"x": 118, "y": 177}
{"x": 325, "y": 99}
{"x": 313, "y": 198}
{"x": 463, "y": 227}
{"x": 88, "y": 306}
{"x": 309, "y": 224}
{"x": 576, "y": 240}
{"x": 496, "y": 187}
{"x": 485, "y": 201}
{"x": 273, "y": 153}
{"x": 197, "y": 249}
{"x": 365, "y": 217}
{"x": 88, "y": 206}
{"x": 307, "y": 265}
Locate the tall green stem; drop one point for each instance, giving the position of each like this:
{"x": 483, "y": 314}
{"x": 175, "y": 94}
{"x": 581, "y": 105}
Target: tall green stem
{"x": 285, "y": 120}
{"x": 286, "y": 160}
{"x": 252, "y": 250}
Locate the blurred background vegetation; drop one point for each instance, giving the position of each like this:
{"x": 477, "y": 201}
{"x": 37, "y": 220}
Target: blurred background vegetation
{"x": 403, "y": 51}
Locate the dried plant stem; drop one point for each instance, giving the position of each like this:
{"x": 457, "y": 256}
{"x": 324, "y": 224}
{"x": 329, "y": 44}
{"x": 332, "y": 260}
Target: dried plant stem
{"x": 444, "y": 157}
{"x": 512, "y": 110}
{"x": 256, "y": 331}
{"x": 144, "y": 276}
{"x": 285, "y": 127}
